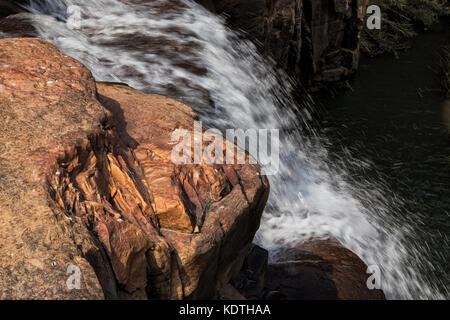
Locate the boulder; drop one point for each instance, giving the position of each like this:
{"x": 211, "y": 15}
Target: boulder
{"x": 317, "y": 269}
{"x": 17, "y": 26}
{"x": 87, "y": 180}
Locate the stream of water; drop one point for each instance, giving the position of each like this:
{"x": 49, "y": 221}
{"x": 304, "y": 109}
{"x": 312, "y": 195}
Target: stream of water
{"x": 181, "y": 50}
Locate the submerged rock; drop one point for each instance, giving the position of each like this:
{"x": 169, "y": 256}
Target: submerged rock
{"x": 320, "y": 269}
{"x": 87, "y": 181}
{"x": 17, "y": 25}
{"x": 312, "y": 270}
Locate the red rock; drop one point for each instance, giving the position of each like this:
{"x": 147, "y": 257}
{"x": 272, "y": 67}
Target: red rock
{"x": 38, "y": 119}
{"x": 91, "y": 166}
{"x": 202, "y": 214}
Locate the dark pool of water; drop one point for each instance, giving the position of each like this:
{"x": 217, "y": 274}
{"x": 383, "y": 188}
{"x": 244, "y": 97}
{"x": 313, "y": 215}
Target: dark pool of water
{"x": 396, "y": 119}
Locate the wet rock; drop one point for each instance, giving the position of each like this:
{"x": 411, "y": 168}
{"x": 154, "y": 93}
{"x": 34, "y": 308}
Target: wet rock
{"x": 87, "y": 176}
{"x": 17, "y": 25}
{"x": 313, "y": 270}
{"x": 319, "y": 270}
{"x": 228, "y": 292}
{"x": 250, "y": 280}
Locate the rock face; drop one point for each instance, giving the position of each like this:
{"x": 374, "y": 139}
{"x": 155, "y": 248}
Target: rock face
{"x": 8, "y": 7}
{"x": 314, "y": 40}
{"x": 17, "y": 26}
{"x": 311, "y": 270}
{"x": 86, "y": 179}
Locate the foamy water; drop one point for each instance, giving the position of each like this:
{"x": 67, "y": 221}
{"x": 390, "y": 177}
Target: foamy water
{"x": 185, "y": 52}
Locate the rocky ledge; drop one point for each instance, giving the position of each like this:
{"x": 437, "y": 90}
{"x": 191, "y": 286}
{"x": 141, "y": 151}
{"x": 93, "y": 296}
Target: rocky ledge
{"x": 86, "y": 181}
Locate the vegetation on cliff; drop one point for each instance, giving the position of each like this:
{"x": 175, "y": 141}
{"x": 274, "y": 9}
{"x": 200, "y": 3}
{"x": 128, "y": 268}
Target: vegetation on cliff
{"x": 399, "y": 20}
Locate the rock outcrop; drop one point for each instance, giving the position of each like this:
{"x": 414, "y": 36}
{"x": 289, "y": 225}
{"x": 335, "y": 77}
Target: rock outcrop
{"x": 312, "y": 270}
{"x": 316, "y": 41}
{"x": 86, "y": 180}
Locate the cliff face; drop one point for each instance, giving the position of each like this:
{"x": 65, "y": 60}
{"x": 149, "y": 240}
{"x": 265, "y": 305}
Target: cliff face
{"x": 86, "y": 179}
{"x": 8, "y": 7}
{"x": 314, "y": 40}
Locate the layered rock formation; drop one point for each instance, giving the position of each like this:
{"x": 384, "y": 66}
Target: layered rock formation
{"x": 86, "y": 179}
{"x": 316, "y": 41}
{"x": 316, "y": 269}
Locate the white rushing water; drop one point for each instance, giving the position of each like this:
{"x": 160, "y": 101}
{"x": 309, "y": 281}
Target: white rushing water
{"x": 185, "y": 52}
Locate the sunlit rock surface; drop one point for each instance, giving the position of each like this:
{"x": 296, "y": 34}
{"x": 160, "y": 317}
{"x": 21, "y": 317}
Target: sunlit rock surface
{"x": 87, "y": 180}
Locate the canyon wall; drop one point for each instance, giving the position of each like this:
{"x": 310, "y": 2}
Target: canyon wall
{"x": 8, "y": 7}
{"x": 315, "y": 41}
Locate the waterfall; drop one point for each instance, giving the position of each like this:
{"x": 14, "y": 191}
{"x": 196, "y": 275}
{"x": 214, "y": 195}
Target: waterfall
{"x": 179, "y": 49}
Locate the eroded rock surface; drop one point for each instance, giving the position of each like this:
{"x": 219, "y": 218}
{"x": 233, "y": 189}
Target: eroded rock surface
{"x": 87, "y": 180}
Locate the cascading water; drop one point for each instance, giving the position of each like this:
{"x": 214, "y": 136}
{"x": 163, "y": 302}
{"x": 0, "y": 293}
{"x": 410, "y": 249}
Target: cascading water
{"x": 179, "y": 49}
